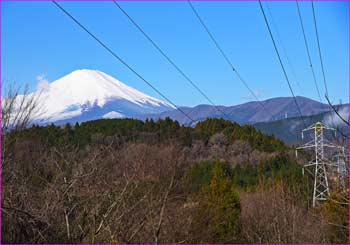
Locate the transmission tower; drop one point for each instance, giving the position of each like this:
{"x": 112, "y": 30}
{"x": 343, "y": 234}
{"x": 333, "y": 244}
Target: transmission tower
{"x": 318, "y": 167}
{"x": 339, "y": 164}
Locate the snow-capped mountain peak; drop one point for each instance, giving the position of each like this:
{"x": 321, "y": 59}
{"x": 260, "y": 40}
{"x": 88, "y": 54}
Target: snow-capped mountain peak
{"x": 89, "y": 94}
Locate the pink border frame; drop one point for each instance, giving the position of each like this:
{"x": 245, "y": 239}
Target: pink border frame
{"x": 348, "y": 143}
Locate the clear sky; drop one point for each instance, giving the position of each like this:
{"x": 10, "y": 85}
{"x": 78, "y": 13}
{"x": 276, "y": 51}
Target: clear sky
{"x": 39, "y": 41}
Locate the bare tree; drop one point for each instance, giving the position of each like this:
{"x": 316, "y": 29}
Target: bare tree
{"x": 19, "y": 107}
{"x": 272, "y": 216}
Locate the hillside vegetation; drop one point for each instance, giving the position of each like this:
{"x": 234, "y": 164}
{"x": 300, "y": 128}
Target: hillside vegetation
{"x": 128, "y": 181}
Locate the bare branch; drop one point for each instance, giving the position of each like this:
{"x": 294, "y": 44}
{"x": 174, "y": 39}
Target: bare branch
{"x": 163, "y": 208}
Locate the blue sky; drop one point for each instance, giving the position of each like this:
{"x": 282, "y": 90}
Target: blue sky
{"x": 37, "y": 38}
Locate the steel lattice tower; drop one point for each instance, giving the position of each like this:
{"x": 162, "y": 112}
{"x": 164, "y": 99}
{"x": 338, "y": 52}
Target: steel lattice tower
{"x": 321, "y": 188}
{"x": 341, "y": 168}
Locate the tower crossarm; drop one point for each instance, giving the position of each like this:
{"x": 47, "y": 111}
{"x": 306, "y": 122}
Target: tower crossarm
{"x": 331, "y": 145}
{"x": 307, "y": 145}
{"x": 327, "y": 143}
{"x": 312, "y": 126}
{"x": 310, "y": 144}
{"x": 309, "y": 164}
{"x": 329, "y": 128}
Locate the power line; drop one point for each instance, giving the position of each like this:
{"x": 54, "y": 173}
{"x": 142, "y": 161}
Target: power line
{"x": 168, "y": 58}
{"x": 226, "y": 58}
{"x": 308, "y": 51}
{"x": 121, "y": 60}
{"x": 280, "y": 61}
{"x": 321, "y": 61}
{"x": 319, "y": 48}
{"x": 279, "y": 39}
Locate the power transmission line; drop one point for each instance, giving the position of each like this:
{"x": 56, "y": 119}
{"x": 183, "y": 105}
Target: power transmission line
{"x": 155, "y": 45}
{"x": 308, "y": 51}
{"x": 336, "y": 111}
{"x": 319, "y": 48}
{"x": 283, "y": 47}
{"x": 321, "y": 61}
{"x": 121, "y": 60}
{"x": 309, "y": 58}
{"x": 281, "y": 63}
{"x": 226, "y": 58}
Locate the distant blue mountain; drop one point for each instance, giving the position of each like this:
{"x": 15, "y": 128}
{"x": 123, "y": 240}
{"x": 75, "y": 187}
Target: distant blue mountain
{"x": 289, "y": 130}
{"x": 248, "y": 113}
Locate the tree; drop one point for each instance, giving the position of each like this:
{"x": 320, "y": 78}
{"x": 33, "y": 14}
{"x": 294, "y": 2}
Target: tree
{"x": 271, "y": 215}
{"x": 218, "y": 216}
{"x": 19, "y": 108}
{"x": 335, "y": 212}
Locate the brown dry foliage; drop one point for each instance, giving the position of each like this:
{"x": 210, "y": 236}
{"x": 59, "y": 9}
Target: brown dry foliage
{"x": 270, "y": 215}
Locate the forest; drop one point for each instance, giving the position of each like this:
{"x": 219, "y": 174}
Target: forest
{"x": 131, "y": 181}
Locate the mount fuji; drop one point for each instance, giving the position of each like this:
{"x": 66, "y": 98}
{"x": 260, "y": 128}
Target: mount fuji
{"x": 85, "y": 95}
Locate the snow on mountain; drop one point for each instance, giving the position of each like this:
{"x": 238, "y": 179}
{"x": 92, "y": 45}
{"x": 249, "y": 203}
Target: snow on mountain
{"x": 113, "y": 114}
{"x": 90, "y": 94}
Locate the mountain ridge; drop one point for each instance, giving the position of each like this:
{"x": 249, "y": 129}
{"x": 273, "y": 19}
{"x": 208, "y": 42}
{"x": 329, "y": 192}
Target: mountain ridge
{"x": 249, "y": 112}
{"x": 289, "y": 130}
